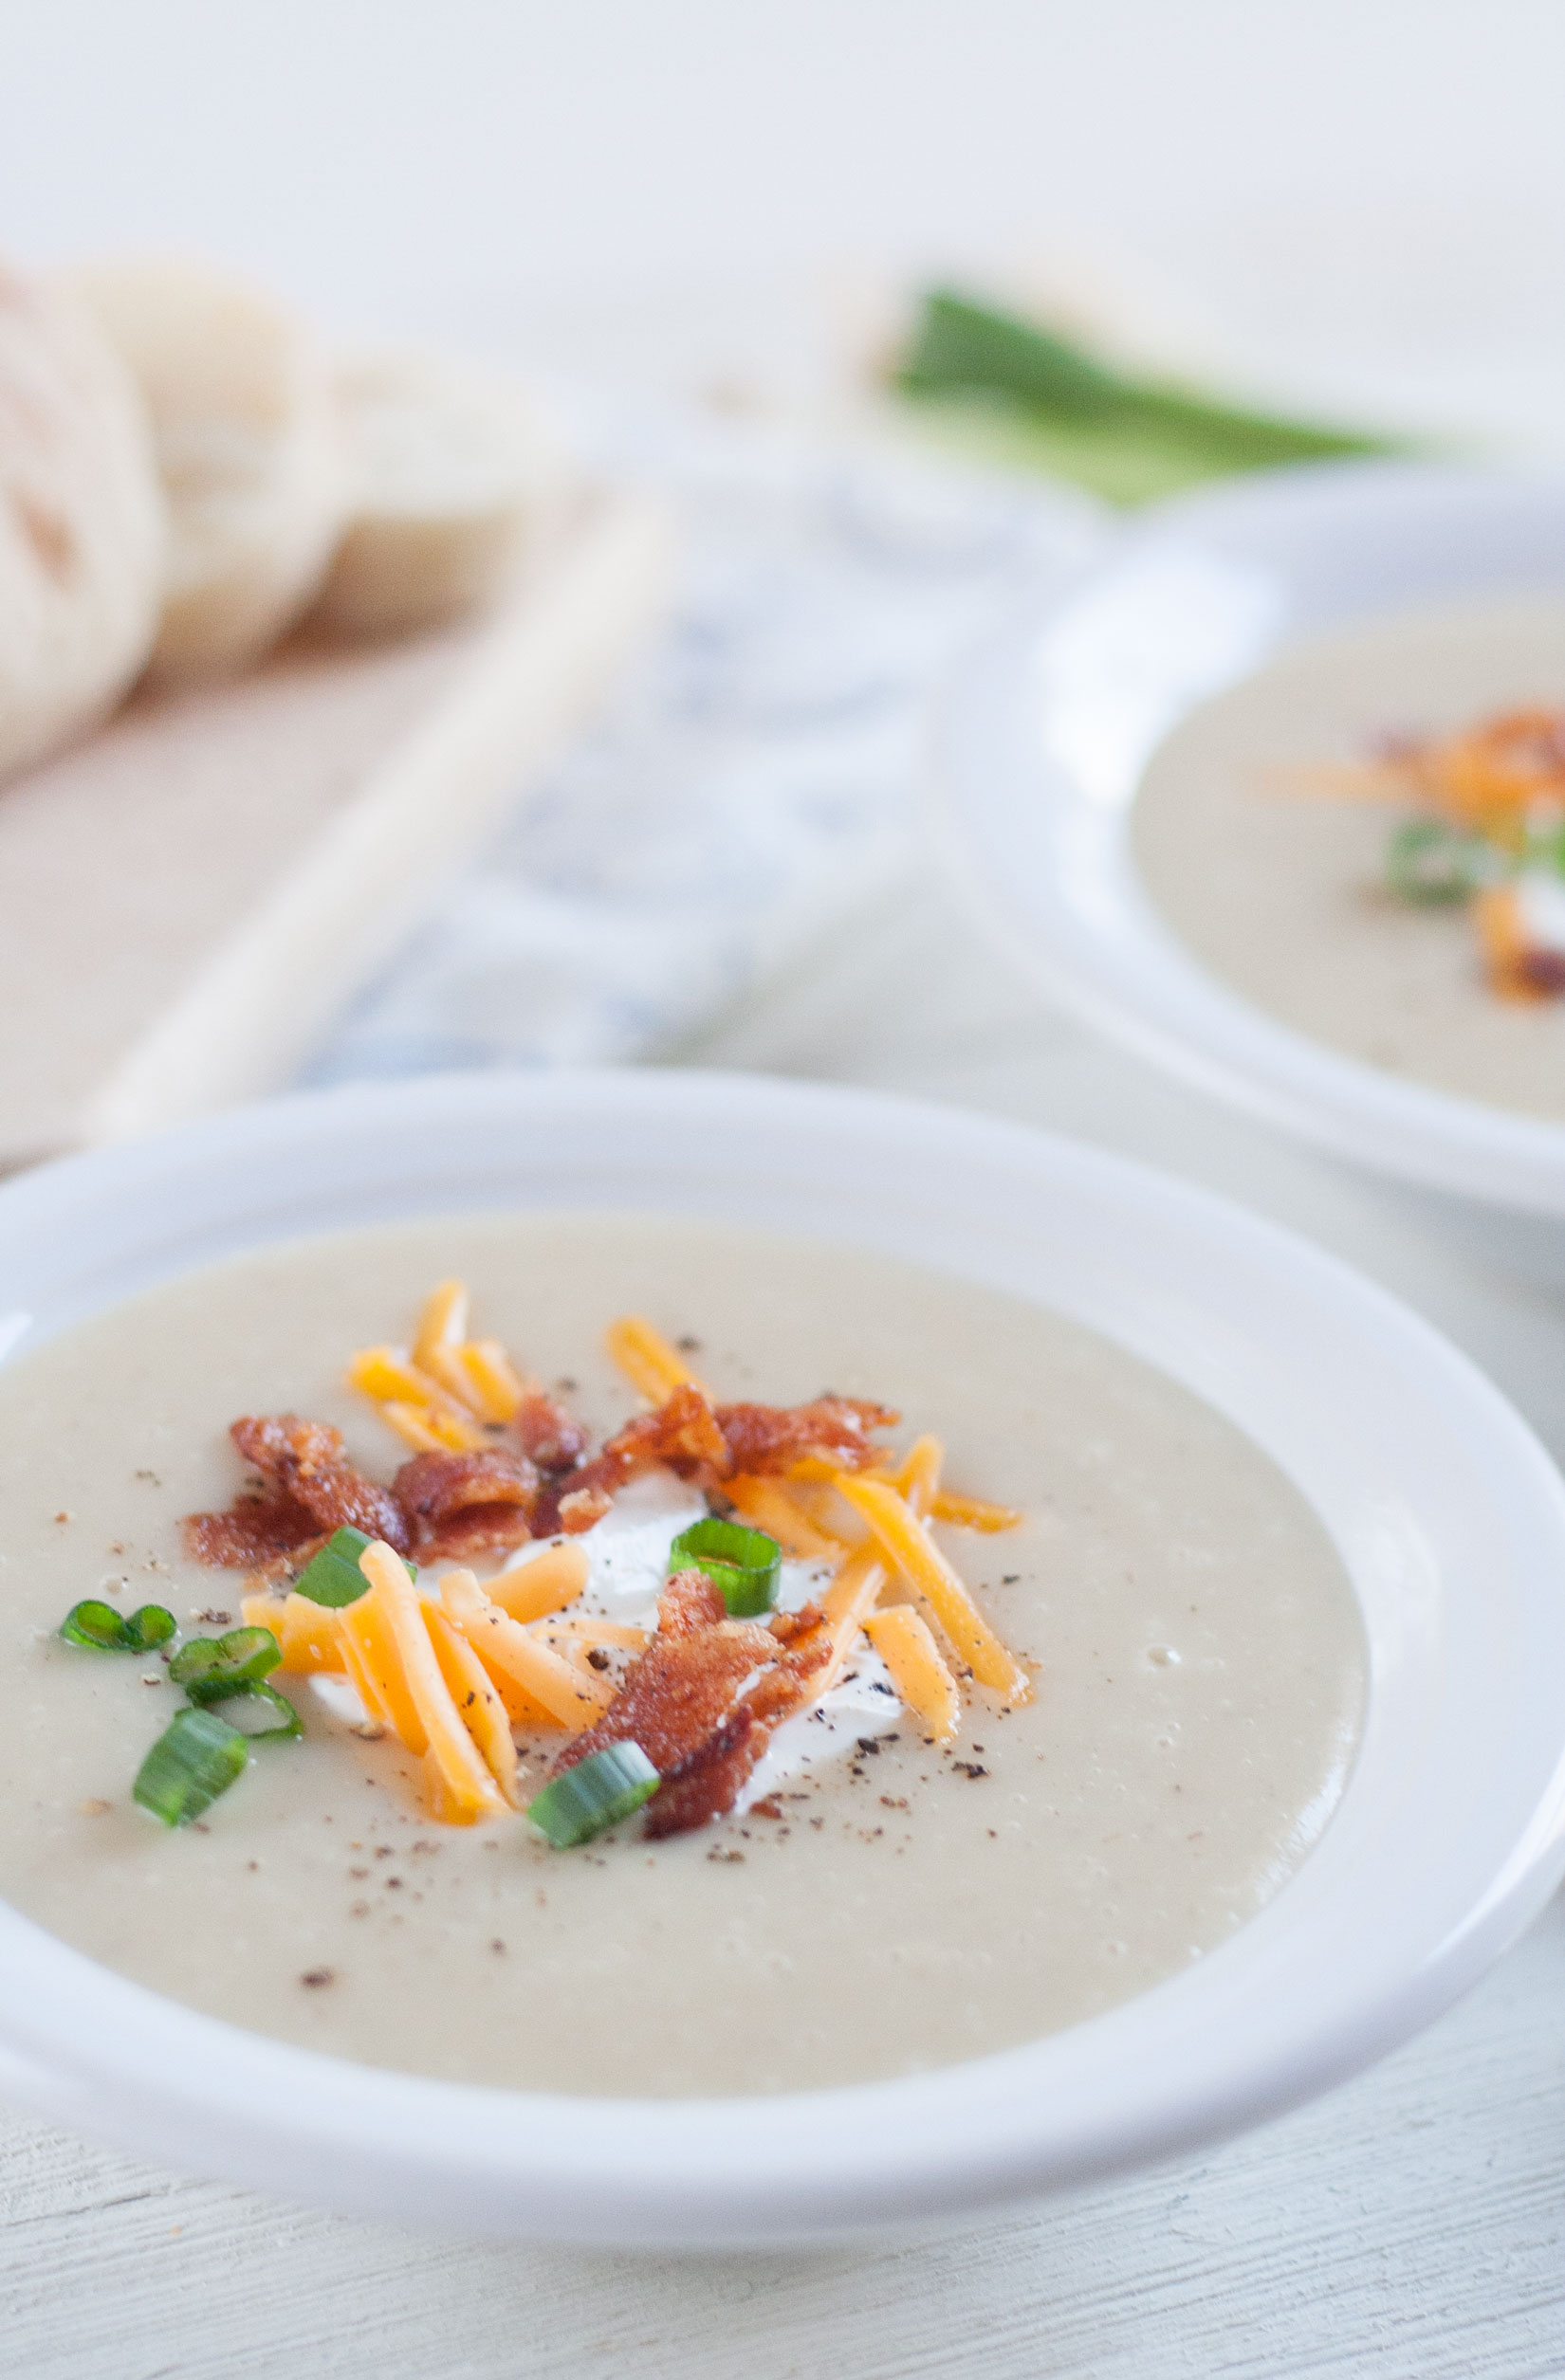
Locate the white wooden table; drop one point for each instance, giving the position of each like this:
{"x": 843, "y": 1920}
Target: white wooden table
{"x": 1409, "y": 2227}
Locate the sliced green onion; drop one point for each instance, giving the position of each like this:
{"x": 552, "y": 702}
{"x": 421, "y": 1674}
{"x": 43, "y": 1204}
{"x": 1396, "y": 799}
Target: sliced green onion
{"x": 96, "y": 1624}
{"x": 594, "y": 1795}
{"x": 744, "y": 1565}
{"x": 210, "y": 1667}
{"x": 197, "y": 1757}
{"x": 333, "y": 1577}
{"x": 100, "y": 1625}
{"x": 253, "y": 1699}
{"x": 1433, "y": 865}
{"x": 148, "y": 1626}
{"x": 1020, "y": 389}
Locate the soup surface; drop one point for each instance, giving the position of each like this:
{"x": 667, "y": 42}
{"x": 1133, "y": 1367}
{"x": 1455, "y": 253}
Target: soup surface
{"x": 1200, "y": 1684}
{"x": 1282, "y": 892}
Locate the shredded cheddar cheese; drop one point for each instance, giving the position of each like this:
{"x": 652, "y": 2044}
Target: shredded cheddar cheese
{"x": 374, "y": 1660}
{"x": 305, "y": 1632}
{"x": 647, "y": 1360}
{"x": 910, "y": 1549}
{"x": 566, "y": 1696}
{"x": 452, "y": 1759}
{"x": 902, "y": 1638}
{"x": 442, "y": 1394}
{"x": 443, "y": 1324}
{"x": 385, "y": 1374}
{"x": 968, "y": 1512}
{"x": 531, "y": 1590}
{"x": 495, "y": 1388}
{"x": 482, "y": 1711}
{"x": 772, "y": 1505}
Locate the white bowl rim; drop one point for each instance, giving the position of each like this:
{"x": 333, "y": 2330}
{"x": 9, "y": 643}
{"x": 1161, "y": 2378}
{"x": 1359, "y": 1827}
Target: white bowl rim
{"x": 1043, "y": 849}
{"x": 1448, "y": 1513}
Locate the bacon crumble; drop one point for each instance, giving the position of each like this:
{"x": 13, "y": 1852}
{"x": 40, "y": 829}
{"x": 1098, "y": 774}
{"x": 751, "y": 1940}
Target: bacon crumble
{"x": 308, "y": 1490}
{"x": 771, "y": 1438}
{"x": 707, "y": 1443}
{"x": 461, "y": 1504}
{"x": 550, "y": 1438}
{"x": 703, "y": 1699}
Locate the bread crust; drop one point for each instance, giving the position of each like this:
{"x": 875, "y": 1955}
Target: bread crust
{"x": 83, "y": 528}
{"x": 249, "y": 439}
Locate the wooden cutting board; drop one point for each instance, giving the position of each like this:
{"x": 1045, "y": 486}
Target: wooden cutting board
{"x": 188, "y": 896}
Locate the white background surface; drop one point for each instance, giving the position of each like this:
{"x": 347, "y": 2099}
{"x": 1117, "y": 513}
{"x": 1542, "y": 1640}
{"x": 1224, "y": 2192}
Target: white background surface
{"x": 1355, "y": 200}
{"x": 1366, "y": 203}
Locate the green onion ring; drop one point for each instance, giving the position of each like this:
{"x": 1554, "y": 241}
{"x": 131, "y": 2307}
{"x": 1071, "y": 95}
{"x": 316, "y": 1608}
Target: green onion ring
{"x": 255, "y": 1694}
{"x": 149, "y": 1626}
{"x": 744, "y": 1565}
{"x": 594, "y": 1795}
{"x": 210, "y": 1667}
{"x": 100, "y": 1626}
{"x": 197, "y": 1757}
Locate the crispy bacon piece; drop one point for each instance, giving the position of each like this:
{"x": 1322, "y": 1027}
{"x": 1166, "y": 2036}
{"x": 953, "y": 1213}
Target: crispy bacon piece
{"x": 678, "y": 1691}
{"x": 582, "y": 1509}
{"x": 308, "y": 1492}
{"x": 712, "y": 1779}
{"x": 708, "y": 1782}
{"x": 682, "y": 1702}
{"x": 688, "y": 1602}
{"x": 551, "y": 1439}
{"x": 682, "y": 1434}
{"x": 461, "y": 1504}
{"x": 253, "y": 1534}
{"x": 707, "y": 1444}
{"x": 762, "y": 1438}
{"x": 790, "y": 1627}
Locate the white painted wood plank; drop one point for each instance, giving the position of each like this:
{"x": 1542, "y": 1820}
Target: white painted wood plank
{"x": 1412, "y": 2226}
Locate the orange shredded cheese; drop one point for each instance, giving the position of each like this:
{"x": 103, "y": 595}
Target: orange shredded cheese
{"x": 969, "y": 1512}
{"x": 439, "y": 1397}
{"x": 374, "y": 1660}
{"x": 443, "y": 1324}
{"x": 568, "y": 1697}
{"x": 306, "y": 1632}
{"x": 531, "y": 1590}
{"x": 770, "y": 1504}
{"x": 454, "y": 1764}
{"x": 495, "y": 1387}
{"x": 383, "y": 1373}
{"x": 902, "y": 1638}
{"x": 430, "y": 1428}
{"x": 650, "y": 1363}
{"x": 483, "y": 1713}
{"x": 363, "y": 1679}
{"x": 917, "y": 1476}
{"x": 909, "y": 1549}
{"x": 858, "y": 1586}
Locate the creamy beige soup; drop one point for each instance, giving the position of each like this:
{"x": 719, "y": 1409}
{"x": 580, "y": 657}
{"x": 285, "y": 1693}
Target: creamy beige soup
{"x": 1201, "y": 1674}
{"x": 1280, "y": 893}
